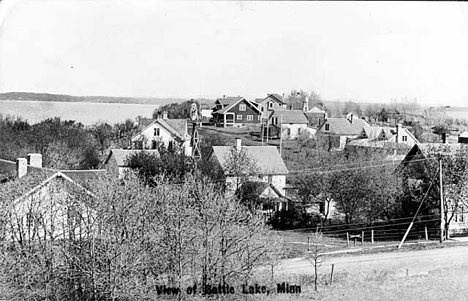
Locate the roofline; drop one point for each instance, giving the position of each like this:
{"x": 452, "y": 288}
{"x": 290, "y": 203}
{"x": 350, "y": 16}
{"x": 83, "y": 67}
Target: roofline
{"x": 233, "y": 104}
{"x": 171, "y": 132}
{"x": 56, "y": 175}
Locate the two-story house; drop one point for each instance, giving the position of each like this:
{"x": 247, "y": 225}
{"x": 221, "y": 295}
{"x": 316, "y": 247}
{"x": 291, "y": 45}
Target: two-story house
{"x": 268, "y": 166}
{"x": 170, "y": 132}
{"x": 270, "y": 102}
{"x": 235, "y": 112}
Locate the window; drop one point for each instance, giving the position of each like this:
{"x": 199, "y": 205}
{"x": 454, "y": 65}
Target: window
{"x": 404, "y": 138}
{"x": 242, "y": 107}
{"x": 270, "y": 104}
{"x": 249, "y": 117}
{"x": 261, "y": 109}
{"x": 270, "y": 179}
{"x": 239, "y": 117}
{"x": 259, "y": 117}
{"x": 289, "y": 132}
{"x": 156, "y": 131}
{"x": 327, "y": 127}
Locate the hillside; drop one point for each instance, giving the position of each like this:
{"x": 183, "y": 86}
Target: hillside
{"x": 99, "y": 99}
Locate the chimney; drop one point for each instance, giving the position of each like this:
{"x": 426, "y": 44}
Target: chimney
{"x": 445, "y": 137}
{"x": 238, "y": 144}
{"x": 399, "y": 131}
{"x": 21, "y": 167}
{"x": 224, "y": 96}
{"x": 164, "y": 116}
{"x": 35, "y": 160}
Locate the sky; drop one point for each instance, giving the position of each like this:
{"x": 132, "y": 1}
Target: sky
{"x": 360, "y": 51}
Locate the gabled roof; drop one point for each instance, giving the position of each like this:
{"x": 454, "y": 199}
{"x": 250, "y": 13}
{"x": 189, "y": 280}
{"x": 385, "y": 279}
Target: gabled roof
{"x": 278, "y": 97}
{"x": 260, "y": 190}
{"x": 273, "y": 96}
{"x": 422, "y": 150}
{"x": 342, "y": 126}
{"x": 48, "y": 180}
{"x": 229, "y": 100}
{"x": 317, "y": 109}
{"x": 464, "y": 135}
{"x": 176, "y": 127}
{"x": 266, "y": 158}
{"x": 121, "y": 155}
{"x": 8, "y": 171}
{"x": 290, "y": 116}
{"x": 375, "y": 132}
{"x": 232, "y": 104}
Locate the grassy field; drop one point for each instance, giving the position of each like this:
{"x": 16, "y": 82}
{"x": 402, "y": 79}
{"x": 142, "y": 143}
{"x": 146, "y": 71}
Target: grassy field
{"x": 444, "y": 284}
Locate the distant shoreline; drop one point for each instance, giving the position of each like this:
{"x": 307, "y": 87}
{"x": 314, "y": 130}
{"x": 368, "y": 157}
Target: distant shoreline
{"x": 48, "y": 97}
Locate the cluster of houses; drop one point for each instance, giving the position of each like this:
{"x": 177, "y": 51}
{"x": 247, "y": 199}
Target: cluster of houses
{"x": 348, "y": 132}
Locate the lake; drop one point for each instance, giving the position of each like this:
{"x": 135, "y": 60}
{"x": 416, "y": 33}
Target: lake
{"x": 85, "y": 112}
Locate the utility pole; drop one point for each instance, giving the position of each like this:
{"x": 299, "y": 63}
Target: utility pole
{"x": 281, "y": 135}
{"x": 268, "y": 120}
{"x": 441, "y": 203}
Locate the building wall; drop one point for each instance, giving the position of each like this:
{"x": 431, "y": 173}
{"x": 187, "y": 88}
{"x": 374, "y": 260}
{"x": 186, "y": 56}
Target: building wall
{"x": 248, "y": 111}
{"x": 264, "y": 107}
{"x": 148, "y": 138}
{"x": 291, "y": 131}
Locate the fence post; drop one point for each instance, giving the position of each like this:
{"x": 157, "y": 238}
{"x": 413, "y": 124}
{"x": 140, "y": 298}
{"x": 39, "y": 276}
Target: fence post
{"x": 331, "y": 275}
{"x": 362, "y": 238}
{"x": 347, "y": 239}
{"x": 308, "y": 243}
{"x": 372, "y": 236}
{"x": 425, "y": 232}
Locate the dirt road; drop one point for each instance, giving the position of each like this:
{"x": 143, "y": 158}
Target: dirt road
{"x": 400, "y": 262}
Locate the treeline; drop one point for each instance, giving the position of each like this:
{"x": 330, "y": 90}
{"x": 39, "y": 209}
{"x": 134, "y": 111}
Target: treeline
{"x": 64, "y": 144}
{"x": 368, "y": 187}
{"x": 71, "y": 98}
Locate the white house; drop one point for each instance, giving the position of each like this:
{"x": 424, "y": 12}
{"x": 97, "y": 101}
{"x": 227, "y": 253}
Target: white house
{"x": 270, "y": 102}
{"x": 291, "y": 122}
{"x": 269, "y": 165}
{"x": 166, "y": 131}
{"x": 384, "y": 137}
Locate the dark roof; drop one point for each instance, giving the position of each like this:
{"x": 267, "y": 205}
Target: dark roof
{"x": 231, "y": 105}
{"x": 227, "y": 101}
{"x": 121, "y": 155}
{"x": 290, "y": 116}
{"x": 84, "y": 175}
{"x": 278, "y": 97}
{"x": 266, "y": 158}
{"x": 342, "y": 126}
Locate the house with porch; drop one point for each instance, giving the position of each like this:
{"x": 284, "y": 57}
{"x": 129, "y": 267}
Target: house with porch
{"x": 170, "y": 132}
{"x": 235, "y": 112}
